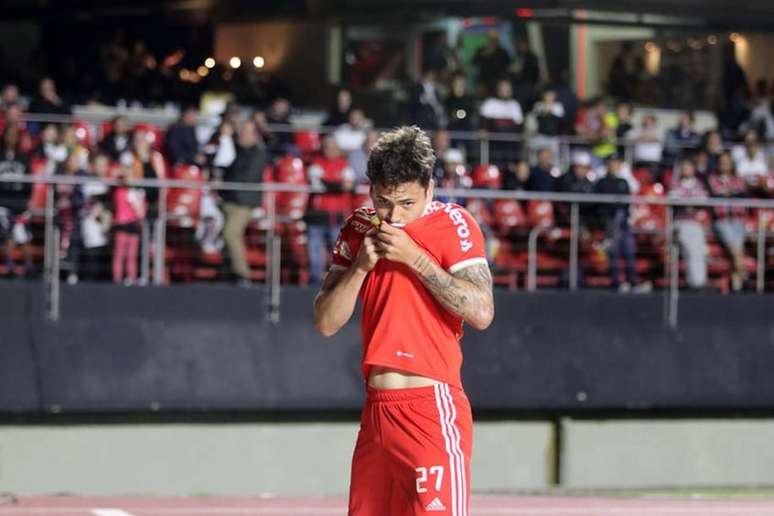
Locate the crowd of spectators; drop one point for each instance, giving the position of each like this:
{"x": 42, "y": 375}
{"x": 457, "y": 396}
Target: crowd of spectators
{"x": 93, "y": 217}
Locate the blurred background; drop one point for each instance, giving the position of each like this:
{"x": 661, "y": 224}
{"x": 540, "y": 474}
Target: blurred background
{"x": 174, "y": 173}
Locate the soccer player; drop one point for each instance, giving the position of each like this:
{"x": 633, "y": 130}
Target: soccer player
{"x": 420, "y": 270}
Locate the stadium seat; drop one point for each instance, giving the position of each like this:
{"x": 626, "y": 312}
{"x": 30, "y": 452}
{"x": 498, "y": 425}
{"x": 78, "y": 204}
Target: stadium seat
{"x": 540, "y": 213}
{"x": 308, "y": 143}
{"x": 183, "y": 203}
{"x": 290, "y": 170}
{"x": 37, "y": 202}
{"x": 509, "y": 216}
{"x": 486, "y": 176}
{"x": 84, "y": 132}
{"x": 105, "y": 128}
{"x": 649, "y": 218}
{"x": 154, "y": 134}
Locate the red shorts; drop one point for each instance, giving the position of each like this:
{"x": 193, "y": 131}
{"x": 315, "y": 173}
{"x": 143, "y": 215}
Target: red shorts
{"x": 413, "y": 453}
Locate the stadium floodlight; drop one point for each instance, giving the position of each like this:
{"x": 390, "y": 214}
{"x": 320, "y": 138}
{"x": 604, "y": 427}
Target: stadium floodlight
{"x": 209, "y": 62}
{"x": 235, "y": 62}
{"x": 258, "y": 62}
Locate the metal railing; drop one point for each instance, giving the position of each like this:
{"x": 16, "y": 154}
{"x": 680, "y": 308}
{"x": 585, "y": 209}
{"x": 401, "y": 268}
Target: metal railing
{"x": 273, "y": 244}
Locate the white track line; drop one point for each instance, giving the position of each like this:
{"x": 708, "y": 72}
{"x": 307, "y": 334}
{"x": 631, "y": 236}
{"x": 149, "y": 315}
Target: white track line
{"x": 649, "y": 510}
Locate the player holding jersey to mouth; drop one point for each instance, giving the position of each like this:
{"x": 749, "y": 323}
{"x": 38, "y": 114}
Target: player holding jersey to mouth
{"x": 420, "y": 270}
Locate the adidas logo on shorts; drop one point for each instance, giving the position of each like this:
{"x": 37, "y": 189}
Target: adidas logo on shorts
{"x": 435, "y": 505}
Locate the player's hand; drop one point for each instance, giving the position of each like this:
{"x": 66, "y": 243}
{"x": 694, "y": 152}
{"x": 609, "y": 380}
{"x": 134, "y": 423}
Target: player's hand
{"x": 369, "y": 252}
{"x": 396, "y": 244}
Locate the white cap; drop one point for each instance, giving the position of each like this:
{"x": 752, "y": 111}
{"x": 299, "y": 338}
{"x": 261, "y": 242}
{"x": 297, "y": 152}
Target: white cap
{"x": 581, "y": 158}
{"x": 453, "y": 156}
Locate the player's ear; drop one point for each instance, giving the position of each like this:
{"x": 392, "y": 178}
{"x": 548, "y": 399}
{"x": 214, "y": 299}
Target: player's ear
{"x": 429, "y": 190}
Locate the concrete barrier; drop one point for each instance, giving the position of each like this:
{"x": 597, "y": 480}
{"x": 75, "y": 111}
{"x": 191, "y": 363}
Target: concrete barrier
{"x": 658, "y": 453}
{"x": 287, "y": 459}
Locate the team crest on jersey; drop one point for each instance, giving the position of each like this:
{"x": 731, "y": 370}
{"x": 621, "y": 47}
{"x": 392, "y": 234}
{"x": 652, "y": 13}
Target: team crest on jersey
{"x": 344, "y": 250}
{"x": 361, "y": 220}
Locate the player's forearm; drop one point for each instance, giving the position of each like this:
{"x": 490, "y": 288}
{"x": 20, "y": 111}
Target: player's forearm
{"x": 334, "y": 306}
{"x": 471, "y": 300}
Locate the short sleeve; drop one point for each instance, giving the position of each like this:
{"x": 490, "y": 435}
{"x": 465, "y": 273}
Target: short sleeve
{"x": 349, "y": 239}
{"x": 464, "y": 243}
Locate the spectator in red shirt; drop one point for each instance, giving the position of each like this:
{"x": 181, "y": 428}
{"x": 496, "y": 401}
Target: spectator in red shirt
{"x": 327, "y": 210}
{"x": 729, "y": 221}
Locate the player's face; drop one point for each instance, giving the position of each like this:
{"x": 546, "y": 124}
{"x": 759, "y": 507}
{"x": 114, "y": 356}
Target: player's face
{"x": 401, "y": 204}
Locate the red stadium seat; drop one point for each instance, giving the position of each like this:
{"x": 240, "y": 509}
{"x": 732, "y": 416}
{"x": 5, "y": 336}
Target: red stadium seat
{"x": 105, "y": 129}
{"x": 481, "y": 211}
{"x": 84, "y": 132}
{"x": 649, "y": 217}
{"x": 290, "y": 170}
{"x": 487, "y": 176}
{"x": 540, "y": 213}
{"x": 39, "y": 190}
{"x": 183, "y": 203}
{"x": 307, "y": 142}
{"x": 509, "y": 216}
{"x": 154, "y": 134}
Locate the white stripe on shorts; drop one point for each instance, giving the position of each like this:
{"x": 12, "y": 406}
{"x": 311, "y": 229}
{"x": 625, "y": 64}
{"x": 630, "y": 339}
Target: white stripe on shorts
{"x": 457, "y": 449}
{"x": 447, "y": 440}
{"x": 448, "y": 414}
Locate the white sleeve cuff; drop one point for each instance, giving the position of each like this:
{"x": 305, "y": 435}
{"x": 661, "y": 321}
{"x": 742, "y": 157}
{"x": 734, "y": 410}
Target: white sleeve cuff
{"x": 466, "y": 263}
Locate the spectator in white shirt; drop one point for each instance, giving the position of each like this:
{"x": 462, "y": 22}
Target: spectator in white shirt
{"x": 502, "y": 114}
{"x": 647, "y": 143}
{"x": 750, "y": 160}
{"x": 352, "y": 135}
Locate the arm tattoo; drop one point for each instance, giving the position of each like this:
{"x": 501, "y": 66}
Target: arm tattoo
{"x": 467, "y": 293}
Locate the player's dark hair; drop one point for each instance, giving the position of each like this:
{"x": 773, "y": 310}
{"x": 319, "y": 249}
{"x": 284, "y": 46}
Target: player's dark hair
{"x": 403, "y": 155}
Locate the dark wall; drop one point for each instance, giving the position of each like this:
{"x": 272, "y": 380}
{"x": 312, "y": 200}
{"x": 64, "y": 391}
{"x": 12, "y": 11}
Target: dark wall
{"x": 208, "y": 348}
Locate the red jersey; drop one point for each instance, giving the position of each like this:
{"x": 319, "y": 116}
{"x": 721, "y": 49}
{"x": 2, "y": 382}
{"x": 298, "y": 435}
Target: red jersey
{"x": 404, "y": 327}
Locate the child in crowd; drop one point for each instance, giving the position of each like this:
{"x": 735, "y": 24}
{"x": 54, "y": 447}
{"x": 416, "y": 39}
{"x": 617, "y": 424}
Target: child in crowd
{"x": 129, "y": 207}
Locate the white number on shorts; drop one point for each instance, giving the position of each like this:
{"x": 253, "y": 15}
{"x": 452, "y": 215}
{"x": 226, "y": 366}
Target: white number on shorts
{"x": 422, "y": 478}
